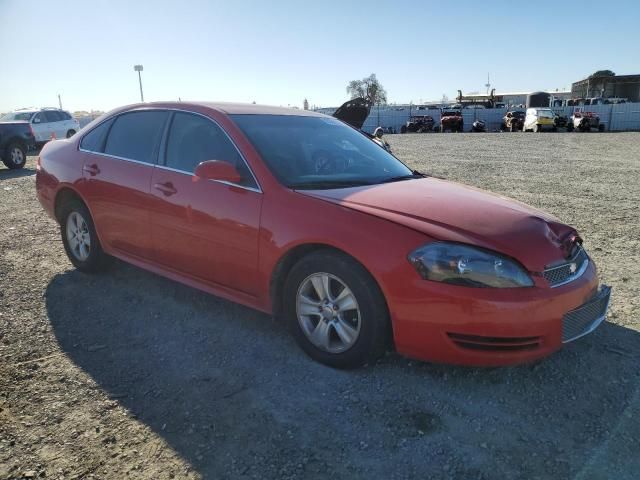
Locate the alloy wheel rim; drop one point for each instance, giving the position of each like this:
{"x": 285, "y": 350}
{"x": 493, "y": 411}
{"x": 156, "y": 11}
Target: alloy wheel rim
{"x": 328, "y": 312}
{"x": 16, "y": 156}
{"x": 78, "y": 236}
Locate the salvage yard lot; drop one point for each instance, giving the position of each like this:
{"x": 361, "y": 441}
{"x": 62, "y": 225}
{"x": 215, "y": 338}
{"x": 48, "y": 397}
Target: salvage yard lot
{"x": 128, "y": 374}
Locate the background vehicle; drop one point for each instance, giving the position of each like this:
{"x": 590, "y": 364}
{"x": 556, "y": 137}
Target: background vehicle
{"x": 585, "y": 121}
{"x": 539, "y": 119}
{"x": 355, "y": 112}
{"x": 513, "y": 121}
{"x": 479, "y": 126}
{"x": 561, "y": 121}
{"x": 47, "y": 123}
{"x": 16, "y": 139}
{"x": 418, "y": 124}
{"x": 451, "y": 119}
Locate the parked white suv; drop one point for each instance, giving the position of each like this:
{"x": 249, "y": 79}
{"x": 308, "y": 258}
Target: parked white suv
{"x": 47, "y": 123}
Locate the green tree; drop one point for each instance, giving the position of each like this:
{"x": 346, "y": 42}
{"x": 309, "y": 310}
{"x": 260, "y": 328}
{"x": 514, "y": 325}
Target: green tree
{"x": 602, "y": 73}
{"x": 368, "y": 88}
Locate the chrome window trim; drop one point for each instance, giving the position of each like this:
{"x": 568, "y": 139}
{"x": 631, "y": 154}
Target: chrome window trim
{"x": 118, "y": 158}
{"x": 184, "y": 172}
{"x": 158, "y": 164}
{"x": 577, "y": 274}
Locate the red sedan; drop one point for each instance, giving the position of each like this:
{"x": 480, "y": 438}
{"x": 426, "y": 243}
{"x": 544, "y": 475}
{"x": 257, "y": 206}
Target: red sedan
{"x": 300, "y": 215}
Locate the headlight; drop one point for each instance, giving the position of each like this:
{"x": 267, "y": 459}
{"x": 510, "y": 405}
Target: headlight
{"x": 467, "y": 266}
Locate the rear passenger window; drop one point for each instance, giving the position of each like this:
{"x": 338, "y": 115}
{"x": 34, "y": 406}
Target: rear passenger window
{"x": 40, "y": 117}
{"x": 65, "y": 115}
{"x": 136, "y": 135}
{"x": 194, "y": 139}
{"x": 52, "y": 116}
{"x": 94, "y": 140}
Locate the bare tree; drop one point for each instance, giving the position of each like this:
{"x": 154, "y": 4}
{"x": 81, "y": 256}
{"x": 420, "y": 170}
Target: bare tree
{"x": 368, "y": 88}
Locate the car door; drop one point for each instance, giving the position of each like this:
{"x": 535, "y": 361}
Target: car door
{"x": 55, "y": 123}
{"x": 119, "y": 155}
{"x": 41, "y": 127}
{"x": 203, "y": 228}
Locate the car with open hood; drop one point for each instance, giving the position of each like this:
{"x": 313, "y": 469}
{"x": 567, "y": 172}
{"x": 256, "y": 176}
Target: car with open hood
{"x": 298, "y": 215}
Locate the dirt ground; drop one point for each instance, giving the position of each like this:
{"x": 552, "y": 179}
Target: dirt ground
{"x": 129, "y": 375}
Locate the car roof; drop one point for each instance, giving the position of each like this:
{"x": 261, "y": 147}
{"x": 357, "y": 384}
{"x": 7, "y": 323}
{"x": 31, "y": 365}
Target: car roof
{"x": 233, "y": 108}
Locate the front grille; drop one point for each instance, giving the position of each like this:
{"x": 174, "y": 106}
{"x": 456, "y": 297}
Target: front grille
{"x": 568, "y": 271}
{"x": 496, "y": 344}
{"x": 586, "y": 318}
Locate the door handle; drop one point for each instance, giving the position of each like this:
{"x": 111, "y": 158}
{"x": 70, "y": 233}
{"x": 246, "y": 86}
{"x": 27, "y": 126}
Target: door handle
{"x": 167, "y": 188}
{"x": 92, "y": 170}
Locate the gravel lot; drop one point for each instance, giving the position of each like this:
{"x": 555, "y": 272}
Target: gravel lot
{"x": 130, "y": 375}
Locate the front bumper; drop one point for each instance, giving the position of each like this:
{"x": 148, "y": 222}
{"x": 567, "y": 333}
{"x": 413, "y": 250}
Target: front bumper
{"x": 487, "y": 327}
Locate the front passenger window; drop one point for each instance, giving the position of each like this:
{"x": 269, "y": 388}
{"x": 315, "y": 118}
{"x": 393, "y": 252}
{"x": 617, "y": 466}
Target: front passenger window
{"x": 194, "y": 139}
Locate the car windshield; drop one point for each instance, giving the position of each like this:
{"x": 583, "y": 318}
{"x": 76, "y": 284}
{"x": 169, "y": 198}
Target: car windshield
{"x": 13, "y": 116}
{"x": 545, "y": 113}
{"x": 319, "y": 152}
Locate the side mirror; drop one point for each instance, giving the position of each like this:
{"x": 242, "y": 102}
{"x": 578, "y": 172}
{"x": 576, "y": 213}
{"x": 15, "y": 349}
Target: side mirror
{"x": 218, "y": 170}
{"x": 36, "y": 120}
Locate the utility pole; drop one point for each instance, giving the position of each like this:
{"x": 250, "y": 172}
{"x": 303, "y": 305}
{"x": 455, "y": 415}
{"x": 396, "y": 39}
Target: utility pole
{"x": 60, "y": 101}
{"x": 139, "y": 68}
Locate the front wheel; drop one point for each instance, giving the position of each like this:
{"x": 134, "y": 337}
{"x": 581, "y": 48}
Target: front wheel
{"x": 71, "y": 133}
{"x": 80, "y": 239}
{"x": 15, "y": 156}
{"x": 335, "y": 310}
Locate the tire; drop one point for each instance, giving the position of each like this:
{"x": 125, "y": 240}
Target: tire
{"x": 87, "y": 255}
{"x": 601, "y": 127}
{"x": 15, "y": 156}
{"x": 554, "y": 129}
{"x": 569, "y": 127}
{"x": 71, "y": 133}
{"x": 369, "y": 324}
{"x": 403, "y": 129}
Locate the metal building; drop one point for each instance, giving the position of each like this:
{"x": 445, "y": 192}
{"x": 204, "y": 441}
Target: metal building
{"x": 616, "y": 86}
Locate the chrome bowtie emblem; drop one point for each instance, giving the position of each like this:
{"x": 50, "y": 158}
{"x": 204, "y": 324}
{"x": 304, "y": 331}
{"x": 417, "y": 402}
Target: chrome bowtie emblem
{"x": 573, "y": 267}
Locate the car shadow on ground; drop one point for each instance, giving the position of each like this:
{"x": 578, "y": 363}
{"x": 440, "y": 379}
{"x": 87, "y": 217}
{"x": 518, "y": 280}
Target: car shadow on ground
{"x": 230, "y": 392}
{"x": 7, "y": 173}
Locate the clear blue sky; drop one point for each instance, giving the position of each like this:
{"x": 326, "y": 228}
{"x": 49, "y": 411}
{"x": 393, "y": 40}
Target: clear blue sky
{"x": 279, "y": 52}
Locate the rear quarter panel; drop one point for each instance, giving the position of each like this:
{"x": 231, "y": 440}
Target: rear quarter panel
{"x": 60, "y": 166}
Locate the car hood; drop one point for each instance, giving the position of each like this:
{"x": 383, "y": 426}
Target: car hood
{"x": 449, "y": 211}
{"x": 354, "y": 112}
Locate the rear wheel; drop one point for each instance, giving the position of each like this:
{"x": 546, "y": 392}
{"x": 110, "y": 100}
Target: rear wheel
{"x": 601, "y": 127}
{"x": 80, "y": 239}
{"x": 15, "y": 156}
{"x": 335, "y": 310}
{"x": 403, "y": 129}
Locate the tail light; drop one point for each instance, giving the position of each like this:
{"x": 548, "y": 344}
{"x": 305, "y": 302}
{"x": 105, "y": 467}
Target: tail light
{"x": 33, "y": 134}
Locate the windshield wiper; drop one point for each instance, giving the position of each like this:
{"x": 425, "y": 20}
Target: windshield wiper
{"x": 399, "y": 178}
{"x": 327, "y": 184}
